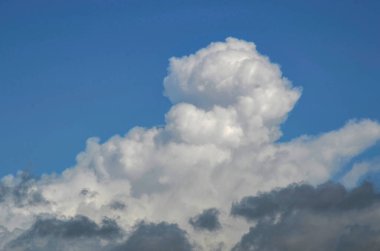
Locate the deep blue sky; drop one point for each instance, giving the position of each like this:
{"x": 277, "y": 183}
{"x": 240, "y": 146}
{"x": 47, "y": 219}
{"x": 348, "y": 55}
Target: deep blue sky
{"x": 70, "y": 70}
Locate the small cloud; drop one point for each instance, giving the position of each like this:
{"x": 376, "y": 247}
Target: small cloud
{"x": 117, "y": 205}
{"x": 207, "y": 220}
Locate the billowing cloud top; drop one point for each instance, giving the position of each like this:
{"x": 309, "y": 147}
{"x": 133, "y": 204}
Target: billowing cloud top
{"x": 227, "y": 94}
{"x": 219, "y": 144}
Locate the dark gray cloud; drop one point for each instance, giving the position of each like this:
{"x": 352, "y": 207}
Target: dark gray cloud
{"x": 22, "y": 191}
{"x": 328, "y": 196}
{"x": 77, "y": 227}
{"x": 156, "y": 237}
{"x": 82, "y": 234}
{"x": 207, "y": 220}
{"x": 359, "y": 238}
{"x": 302, "y": 217}
{"x": 78, "y": 233}
{"x": 117, "y": 205}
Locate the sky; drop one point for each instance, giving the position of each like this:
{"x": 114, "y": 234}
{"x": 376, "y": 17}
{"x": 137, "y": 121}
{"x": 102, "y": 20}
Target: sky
{"x": 132, "y": 125}
{"x": 71, "y": 70}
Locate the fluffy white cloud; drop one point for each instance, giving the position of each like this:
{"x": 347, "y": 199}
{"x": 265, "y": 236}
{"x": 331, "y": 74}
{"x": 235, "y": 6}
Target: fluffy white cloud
{"x": 218, "y": 145}
{"x": 230, "y": 80}
{"x": 192, "y": 125}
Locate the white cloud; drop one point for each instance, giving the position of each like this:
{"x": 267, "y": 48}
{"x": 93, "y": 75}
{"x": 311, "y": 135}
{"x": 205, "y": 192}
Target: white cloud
{"x": 218, "y": 145}
{"x": 192, "y": 125}
{"x": 358, "y": 170}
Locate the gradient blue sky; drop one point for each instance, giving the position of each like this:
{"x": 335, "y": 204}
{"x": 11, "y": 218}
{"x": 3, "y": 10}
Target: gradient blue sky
{"x": 70, "y": 70}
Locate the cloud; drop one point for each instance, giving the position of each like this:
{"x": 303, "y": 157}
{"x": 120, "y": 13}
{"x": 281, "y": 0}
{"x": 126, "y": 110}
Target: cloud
{"x": 300, "y": 217}
{"x": 325, "y": 197}
{"x": 82, "y": 234}
{"x": 21, "y": 191}
{"x": 117, "y": 205}
{"x": 157, "y": 237}
{"x": 78, "y": 233}
{"x": 227, "y": 93}
{"x": 360, "y": 170}
{"x": 218, "y": 145}
{"x": 207, "y": 220}
{"x": 359, "y": 238}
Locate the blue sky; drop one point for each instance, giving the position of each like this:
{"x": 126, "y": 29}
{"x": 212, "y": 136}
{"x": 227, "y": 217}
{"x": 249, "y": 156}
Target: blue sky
{"x": 70, "y": 70}
{"x": 209, "y": 169}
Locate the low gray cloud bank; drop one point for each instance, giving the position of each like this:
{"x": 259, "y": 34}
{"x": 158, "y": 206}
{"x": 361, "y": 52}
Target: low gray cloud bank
{"x": 302, "y": 217}
{"x": 78, "y": 233}
{"x": 82, "y": 234}
{"x": 158, "y": 237}
{"x": 328, "y": 197}
{"x": 295, "y": 218}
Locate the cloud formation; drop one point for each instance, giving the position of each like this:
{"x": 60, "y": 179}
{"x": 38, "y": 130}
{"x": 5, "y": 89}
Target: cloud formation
{"x": 301, "y": 217}
{"x": 78, "y": 233}
{"x": 82, "y": 234}
{"x": 325, "y": 197}
{"x": 22, "y": 191}
{"x": 218, "y": 145}
{"x": 159, "y": 237}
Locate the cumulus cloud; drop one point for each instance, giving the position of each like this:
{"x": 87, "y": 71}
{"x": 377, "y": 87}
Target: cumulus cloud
{"x": 218, "y": 145}
{"x": 228, "y": 93}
